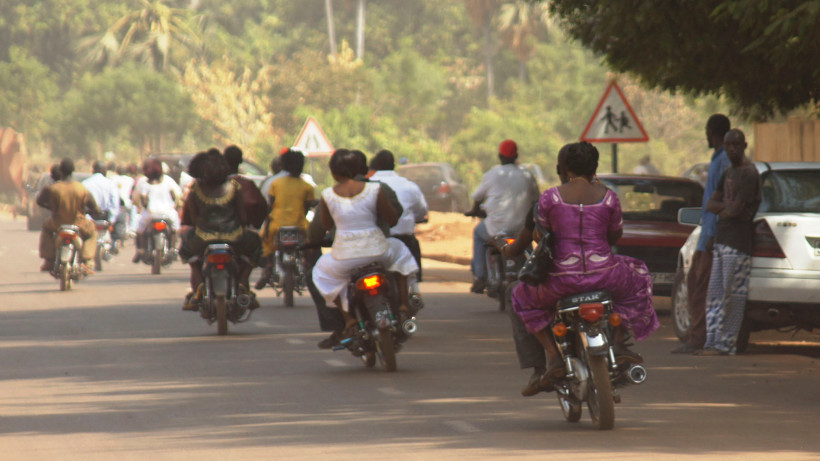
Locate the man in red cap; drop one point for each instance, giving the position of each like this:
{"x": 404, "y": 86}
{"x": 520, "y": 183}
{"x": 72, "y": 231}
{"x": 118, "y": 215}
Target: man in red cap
{"x": 505, "y": 194}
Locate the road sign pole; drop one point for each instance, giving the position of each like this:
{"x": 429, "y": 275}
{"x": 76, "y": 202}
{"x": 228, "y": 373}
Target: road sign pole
{"x": 614, "y": 157}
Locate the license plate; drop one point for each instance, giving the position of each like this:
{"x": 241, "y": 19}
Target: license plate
{"x": 663, "y": 277}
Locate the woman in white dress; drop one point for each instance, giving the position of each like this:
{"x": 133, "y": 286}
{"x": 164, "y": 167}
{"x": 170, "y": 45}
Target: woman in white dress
{"x": 157, "y": 196}
{"x": 353, "y": 207}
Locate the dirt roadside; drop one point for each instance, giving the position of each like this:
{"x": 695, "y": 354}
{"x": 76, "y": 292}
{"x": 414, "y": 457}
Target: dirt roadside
{"x": 447, "y": 237}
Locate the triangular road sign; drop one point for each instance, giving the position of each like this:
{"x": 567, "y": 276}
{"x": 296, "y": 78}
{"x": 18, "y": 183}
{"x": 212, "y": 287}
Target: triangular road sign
{"x": 614, "y": 120}
{"x": 313, "y": 140}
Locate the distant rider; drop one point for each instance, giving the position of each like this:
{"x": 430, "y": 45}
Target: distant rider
{"x": 157, "y": 196}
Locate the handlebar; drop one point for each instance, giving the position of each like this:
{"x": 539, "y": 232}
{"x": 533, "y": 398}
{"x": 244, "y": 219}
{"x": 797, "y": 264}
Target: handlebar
{"x": 476, "y": 214}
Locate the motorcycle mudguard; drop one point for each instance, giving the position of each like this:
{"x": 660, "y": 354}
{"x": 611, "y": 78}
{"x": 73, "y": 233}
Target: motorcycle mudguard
{"x": 220, "y": 281}
{"x": 596, "y": 344}
{"x": 66, "y": 254}
{"x": 379, "y": 307}
{"x": 159, "y": 240}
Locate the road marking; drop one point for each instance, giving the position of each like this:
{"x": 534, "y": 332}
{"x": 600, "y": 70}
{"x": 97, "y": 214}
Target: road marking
{"x": 390, "y": 391}
{"x": 295, "y": 341}
{"x": 462, "y": 426}
{"x": 336, "y": 363}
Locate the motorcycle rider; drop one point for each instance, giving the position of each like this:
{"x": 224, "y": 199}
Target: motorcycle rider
{"x": 409, "y": 194}
{"x": 68, "y": 201}
{"x": 505, "y": 194}
{"x": 255, "y": 205}
{"x": 290, "y": 198}
{"x": 105, "y": 192}
{"x": 157, "y": 196}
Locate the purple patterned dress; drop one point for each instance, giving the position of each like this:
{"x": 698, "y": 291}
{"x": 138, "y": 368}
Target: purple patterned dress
{"x": 583, "y": 261}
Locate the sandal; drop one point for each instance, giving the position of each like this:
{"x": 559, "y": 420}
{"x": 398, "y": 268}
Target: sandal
{"x": 554, "y": 371}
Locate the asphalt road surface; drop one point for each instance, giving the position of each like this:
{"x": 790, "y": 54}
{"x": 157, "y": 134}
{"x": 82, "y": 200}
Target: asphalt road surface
{"x": 113, "y": 369}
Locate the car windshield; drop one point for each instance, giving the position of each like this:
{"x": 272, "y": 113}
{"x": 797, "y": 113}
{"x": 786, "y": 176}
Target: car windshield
{"x": 652, "y": 200}
{"x": 791, "y": 191}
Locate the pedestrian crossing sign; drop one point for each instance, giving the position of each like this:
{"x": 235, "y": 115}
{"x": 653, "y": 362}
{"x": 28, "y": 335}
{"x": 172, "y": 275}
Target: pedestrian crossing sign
{"x": 614, "y": 120}
{"x": 313, "y": 140}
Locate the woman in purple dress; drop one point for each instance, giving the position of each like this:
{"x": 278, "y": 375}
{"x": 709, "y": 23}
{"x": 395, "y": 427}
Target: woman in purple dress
{"x": 584, "y": 218}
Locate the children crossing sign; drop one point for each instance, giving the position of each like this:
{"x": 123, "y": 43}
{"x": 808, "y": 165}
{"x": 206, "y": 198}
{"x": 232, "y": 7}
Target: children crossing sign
{"x": 313, "y": 140}
{"x": 614, "y": 120}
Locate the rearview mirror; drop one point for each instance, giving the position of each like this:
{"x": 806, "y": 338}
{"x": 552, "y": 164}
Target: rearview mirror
{"x": 690, "y": 215}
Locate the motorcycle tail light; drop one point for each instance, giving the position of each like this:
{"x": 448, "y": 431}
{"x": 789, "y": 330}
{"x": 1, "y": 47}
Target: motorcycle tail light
{"x": 67, "y": 236}
{"x": 765, "y": 243}
{"x": 614, "y": 319}
{"x": 559, "y": 330}
{"x": 101, "y": 226}
{"x": 591, "y": 312}
{"x": 371, "y": 282}
{"x": 159, "y": 226}
{"x": 219, "y": 258}
{"x": 509, "y": 241}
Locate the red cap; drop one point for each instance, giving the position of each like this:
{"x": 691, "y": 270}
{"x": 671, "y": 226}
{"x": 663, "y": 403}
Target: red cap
{"x": 284, "y": 149}
{"x": 508, "y": 149}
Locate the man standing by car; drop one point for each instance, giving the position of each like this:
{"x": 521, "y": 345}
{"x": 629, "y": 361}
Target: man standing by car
{"x": 735, "y": 201}
{"x": 697, "y": 281}
{"x": 410, "y": 196}
{"x": 505, "y": 194}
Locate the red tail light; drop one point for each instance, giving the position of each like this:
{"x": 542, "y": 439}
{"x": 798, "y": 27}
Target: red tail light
{"x": 371, "y": 282}
{"x": 101, "y": 226}
{"x": 67, "y": 236}
{"x": 509, "y": 241}
{"x": 444, "y": 188}
{"x": 159, "y": 226}
{"x": 219, "y": 258}
{"x": 765, "y": 243}
{"x": 591, "y": 312}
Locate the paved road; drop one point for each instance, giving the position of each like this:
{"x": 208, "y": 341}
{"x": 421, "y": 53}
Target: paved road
{"x": 114, "y": 369}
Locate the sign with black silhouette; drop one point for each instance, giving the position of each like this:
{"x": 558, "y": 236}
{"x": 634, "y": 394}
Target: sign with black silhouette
{"x": 313, "y": 140}
{"x": 614, "y": 120}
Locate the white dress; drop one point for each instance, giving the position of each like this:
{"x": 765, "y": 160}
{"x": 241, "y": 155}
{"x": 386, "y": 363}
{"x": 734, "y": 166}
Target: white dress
{"x": 161, "y": 203}
{"x": 358, "y": 242}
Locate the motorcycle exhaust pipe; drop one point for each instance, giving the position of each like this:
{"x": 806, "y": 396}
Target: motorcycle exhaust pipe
{"x": 410, "y": 326}
{"x": 416, "y": 303}
{"x": 636, "y": 374}
{"x": 243, "y": 301}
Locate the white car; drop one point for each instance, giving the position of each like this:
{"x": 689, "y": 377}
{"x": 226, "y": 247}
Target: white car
{"x": 784, "y": 289}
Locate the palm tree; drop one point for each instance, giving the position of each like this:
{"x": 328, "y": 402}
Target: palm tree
{"x": 360, "y": 5}
{"x": 147, "y": 34}
{"x": 521, "y": 23}
{"x": 330, "y": 29}
{"x": 481, "y": 12}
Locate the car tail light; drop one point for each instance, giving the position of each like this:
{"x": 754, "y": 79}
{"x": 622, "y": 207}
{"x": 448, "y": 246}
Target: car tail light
{"x": 444, "y": 188}
{"x": 591, "y": 312}
{"x": 159, "y": 226}
{"x": 369, "y": 283}
{"x": 765, "y": 243}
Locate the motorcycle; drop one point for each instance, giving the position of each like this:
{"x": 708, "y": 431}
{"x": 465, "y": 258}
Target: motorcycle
{"x": 583, "y": 329}
{"x": 105, "y": 245}
{"x": 158, "y": 248}
{"x": 221, "y": 300}
{"x": 380, "y": 331}
{"x": 502, "y": 272}
{"x": 67, "y": 264}
{"x": 288, "y": 275}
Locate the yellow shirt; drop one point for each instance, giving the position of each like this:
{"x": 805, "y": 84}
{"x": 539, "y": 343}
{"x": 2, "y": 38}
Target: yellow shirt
{"x": 290, "y": 195}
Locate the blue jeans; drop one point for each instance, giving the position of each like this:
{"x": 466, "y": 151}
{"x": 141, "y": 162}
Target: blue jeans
{"x": 480, "y": 238}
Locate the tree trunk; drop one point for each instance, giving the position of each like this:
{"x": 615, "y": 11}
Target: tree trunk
{"x": 331, "y": 33}
{"x": 360, "y": 29}
{"x": 488, "y": 57}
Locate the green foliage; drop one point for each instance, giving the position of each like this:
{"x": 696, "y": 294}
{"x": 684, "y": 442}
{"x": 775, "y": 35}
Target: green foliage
{"x": 28, "y": 89}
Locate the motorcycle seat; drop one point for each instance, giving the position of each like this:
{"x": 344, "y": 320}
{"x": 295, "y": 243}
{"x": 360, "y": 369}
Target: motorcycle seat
{"x": 580, "y": 298}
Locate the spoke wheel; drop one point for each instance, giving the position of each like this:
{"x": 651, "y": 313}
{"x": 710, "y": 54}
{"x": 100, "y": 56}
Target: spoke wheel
{"x": 681, "y": 318}
{"x": 387, "y": 352}
{"x": 570, "y": 407}
{"x": 600, "y": 402}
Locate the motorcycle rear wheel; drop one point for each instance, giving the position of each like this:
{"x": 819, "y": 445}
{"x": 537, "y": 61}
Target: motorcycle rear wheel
{"x": 288, "y": 286}
{"x": 65, "y": 279}
{"x": 387, "y": 352}
{"x": 369, "y": 359}
{"x": 98, "y": 259}
{"x": 599, "y": 399}
{"x": 571, "y": 408}
{"x": 221, "y": 315}
{"x": 156, "y": 263}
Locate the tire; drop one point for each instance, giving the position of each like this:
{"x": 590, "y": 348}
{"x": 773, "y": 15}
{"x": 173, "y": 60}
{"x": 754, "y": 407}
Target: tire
{"x": 288, "y": 286}
{"x": 681, "y": 318}
{"x": 570, "y": 407}
{"x": 65, "y": 279}
{"x": 98, "y": 259}
{"x": 387, "y": 353}
{"x": 369, "y": 359}
{"x": 156, "y": 263}
{"x": 221, "y": 316}
{"x": 743, "y": 336}
{"x": 599, "y": 399}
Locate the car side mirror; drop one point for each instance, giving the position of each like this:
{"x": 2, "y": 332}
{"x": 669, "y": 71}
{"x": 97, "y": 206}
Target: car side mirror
{"x": 690, "y": 215}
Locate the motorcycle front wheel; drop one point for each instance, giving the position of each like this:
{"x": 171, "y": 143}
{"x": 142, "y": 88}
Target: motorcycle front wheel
{"x": 387, "y": 352}
{"x": 221, "y": 315}
{"x": 599, "y": 398}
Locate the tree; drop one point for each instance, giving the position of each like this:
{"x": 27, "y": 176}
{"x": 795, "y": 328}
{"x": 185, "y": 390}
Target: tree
{"x": 522, "y": 24}
{"x": 761, "y": 55}
{"x": 28, "y": 90}
{"x": 481, "y": 12}
{"x": 331, "y": 31}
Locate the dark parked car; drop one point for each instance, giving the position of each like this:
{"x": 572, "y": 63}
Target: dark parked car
{"x": 652, "y": 233}
{"x": 35, "y": 214}
{"x": 177, "y": 163}
{"x": 440, "y": 184}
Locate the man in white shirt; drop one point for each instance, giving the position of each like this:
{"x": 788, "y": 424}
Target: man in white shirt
{"x": 506, "y": 194}
{"x": 104, "y": 191}
{"x": 410, "y": 197}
